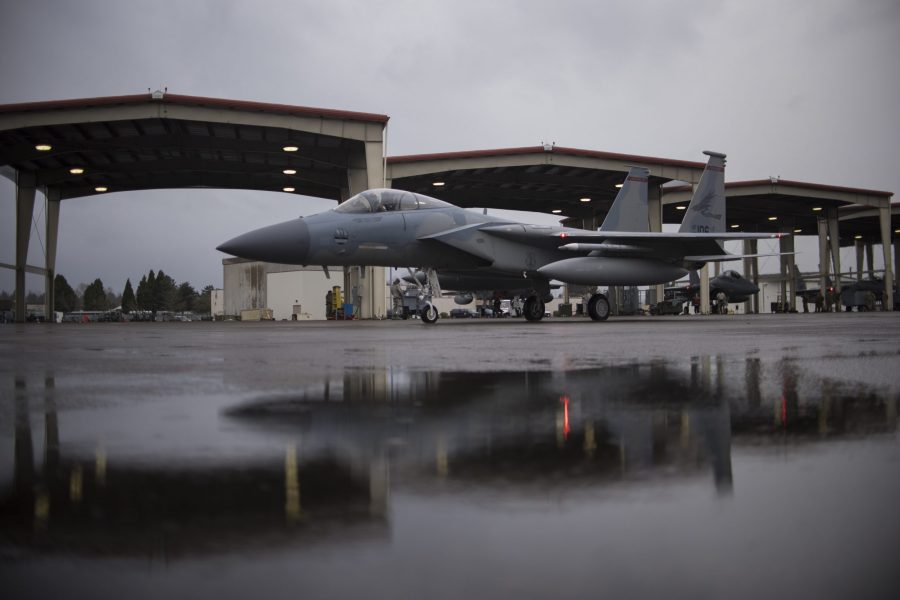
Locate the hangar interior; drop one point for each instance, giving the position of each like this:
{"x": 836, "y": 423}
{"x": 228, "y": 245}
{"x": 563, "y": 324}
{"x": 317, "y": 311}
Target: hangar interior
{"x": 74, "y": 148}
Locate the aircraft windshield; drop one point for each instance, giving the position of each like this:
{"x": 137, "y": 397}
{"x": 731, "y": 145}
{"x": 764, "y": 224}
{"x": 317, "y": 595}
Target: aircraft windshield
{"x": 385, "y": 200}
{"x": 732, "y": 274}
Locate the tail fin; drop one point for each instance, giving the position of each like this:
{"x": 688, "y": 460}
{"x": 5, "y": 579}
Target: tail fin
{"x": 629, "y": 210}
{"x": 694, "y": 278}
{"x": 706, "y": 212}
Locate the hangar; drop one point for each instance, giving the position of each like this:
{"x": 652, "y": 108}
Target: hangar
{"x": 74, "y": 148}
{"x": 68, "y": 149}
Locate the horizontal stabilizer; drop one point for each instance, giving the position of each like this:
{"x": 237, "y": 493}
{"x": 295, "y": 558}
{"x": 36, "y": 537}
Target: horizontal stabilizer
{"x": 729, "y": 257}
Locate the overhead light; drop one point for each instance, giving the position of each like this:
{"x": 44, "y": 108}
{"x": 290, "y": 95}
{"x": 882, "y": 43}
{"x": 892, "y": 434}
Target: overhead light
{"x": 76, "y": 170}
{"x": 817, "y": 208}
{"x": 735, "y": 226}
{"x": 585, "y": 199}
{"x": 681, "y": 207}
{"x": 897, "y": 231}
{"x": 43, "y": 147}
{"x": 288, "y": 189}
{"x": 291, "y": 148}
{"x": 438, "y": 184}
{"x": 773, "y": 218}
{"x": 556, "y": 211}
{"x": 101, "y": 188}
{"x": 798, "y": 231}
{"x": 619, "y": 185}
{"x": 290, "y": 171}
{"x": 857, "y": 237}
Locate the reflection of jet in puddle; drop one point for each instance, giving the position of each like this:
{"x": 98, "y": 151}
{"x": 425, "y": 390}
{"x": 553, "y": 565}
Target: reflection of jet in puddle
{"x": 342, "y": 444}
{"x": 537, "y": 429}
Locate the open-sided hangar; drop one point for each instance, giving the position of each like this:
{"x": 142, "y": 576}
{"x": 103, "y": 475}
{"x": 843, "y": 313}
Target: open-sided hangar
{"x": 73, "y": 148}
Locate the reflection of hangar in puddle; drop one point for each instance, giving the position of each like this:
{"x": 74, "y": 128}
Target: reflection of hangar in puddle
{"x": 74, "y": 148}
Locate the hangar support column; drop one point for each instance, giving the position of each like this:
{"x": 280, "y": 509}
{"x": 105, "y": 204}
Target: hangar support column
{"x": 835, "y": 239}
{"x": 26, "y": 185}
{"x": 859, "y": 258}
{"x": 788, "y": 284}
{"x": 751, "y": 272}
{"x": 52, "y": 231}
{"x": 823, "y": 256}
{"x": 654, "y": 206}
{"x": 884, "y": 219}
{"x": 367, "y": 172}
{"x": 704, "y": 290}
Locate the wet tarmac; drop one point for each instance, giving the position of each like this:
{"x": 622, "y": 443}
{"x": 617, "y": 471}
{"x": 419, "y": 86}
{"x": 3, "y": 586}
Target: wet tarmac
{"x": 701, "y": 457}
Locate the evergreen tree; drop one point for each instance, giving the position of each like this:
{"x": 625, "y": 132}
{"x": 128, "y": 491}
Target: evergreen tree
{"x": 95, "y": 296}
{"x": 64, "y": 297}
{"x": 185, "y": 297}
{"x": 164, "y": 292}
{"x": 143, "y": 297}
{"x": 129, "y": 302}
{"x": 203, "y": 303}
{"x": 151, "y": 292}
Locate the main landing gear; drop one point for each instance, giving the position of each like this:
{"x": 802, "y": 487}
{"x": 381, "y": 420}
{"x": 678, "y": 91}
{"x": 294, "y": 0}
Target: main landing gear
{"x": 598, "y": 307}
{"x": 533, "y": 309}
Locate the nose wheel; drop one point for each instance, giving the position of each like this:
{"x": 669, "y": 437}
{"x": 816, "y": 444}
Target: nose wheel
{"x": 430, "y": 314}
{"x": 598, "y": 307}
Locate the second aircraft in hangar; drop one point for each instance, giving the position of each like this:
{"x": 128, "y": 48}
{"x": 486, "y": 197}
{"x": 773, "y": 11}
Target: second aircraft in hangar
{"x": 390, "y": 228}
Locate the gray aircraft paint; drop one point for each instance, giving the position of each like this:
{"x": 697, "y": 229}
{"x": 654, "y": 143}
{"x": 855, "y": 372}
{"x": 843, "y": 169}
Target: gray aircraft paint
{"x": 396, "y": 228}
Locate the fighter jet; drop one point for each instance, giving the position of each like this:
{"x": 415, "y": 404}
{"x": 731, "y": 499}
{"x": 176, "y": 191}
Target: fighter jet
{"x": 730, "y": 283}
{"x": 397, "y": 228}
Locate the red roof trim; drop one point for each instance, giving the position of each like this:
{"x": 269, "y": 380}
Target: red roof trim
{"x": 811, "y": 186}
{"x": 304, "y": 111}
{"x": 540, "y": 150}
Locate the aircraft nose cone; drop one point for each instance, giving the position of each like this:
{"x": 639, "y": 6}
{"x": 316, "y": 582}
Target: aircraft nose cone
{"x": 286, "y": 243}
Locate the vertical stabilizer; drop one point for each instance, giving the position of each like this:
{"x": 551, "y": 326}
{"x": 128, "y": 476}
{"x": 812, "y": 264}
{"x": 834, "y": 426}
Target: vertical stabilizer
{"x": 694, "y": 278}
{"x": 629, "y": 210}
{"x": 706, "y": 212}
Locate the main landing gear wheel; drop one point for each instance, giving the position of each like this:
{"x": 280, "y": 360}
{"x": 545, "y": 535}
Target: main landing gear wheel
{"x": 598, "y": 307}
{"x": 430, "y": 314}
{"x": 533, "y": 309}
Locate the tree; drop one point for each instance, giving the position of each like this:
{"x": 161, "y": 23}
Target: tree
{"x": 144, "y": 296}
{"x": 164, "y": 292}
{"x": 185, "y": 297}
{"x": 95, "y": 296}
{"x": 203, "y": 303}
{"x": 151, "y": 292}
{"x": 129, "y": 303}
{"x": 64, "y": 297}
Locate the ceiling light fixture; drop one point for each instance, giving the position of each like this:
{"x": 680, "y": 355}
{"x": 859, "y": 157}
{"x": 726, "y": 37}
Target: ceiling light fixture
{"x": 585, "y": 199}
{"x": 619, "y": 185}
{"x": 291, "y": 148}
{"x": 101, "y": 188}
{"x": 43, "y": 147}
{"x": 773, "y": 218}
{"x": 798, "y": 231}
{"x": 556, "y": 211}
{"x": 681, "y": 207}
{"x": 76, "y": 170}
{"x": 735, "y": 226}
{"x": 288, "y": 189}
{"x": 438, "y": 184}
{"x": 290, "y": 171}
{"x": 817, "y": 208}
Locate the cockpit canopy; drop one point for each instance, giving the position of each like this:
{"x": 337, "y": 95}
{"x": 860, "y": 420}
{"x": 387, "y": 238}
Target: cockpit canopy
{"x": 731, "y": 274}
{"x": 386, "y": 200}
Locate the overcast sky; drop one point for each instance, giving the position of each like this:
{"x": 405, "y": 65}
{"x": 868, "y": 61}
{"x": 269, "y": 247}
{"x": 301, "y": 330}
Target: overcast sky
{"x": 806, "y": 89}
